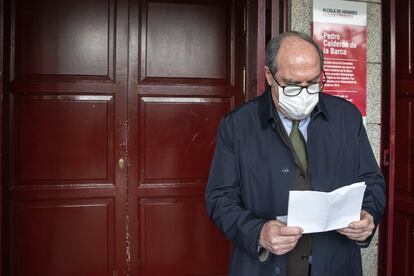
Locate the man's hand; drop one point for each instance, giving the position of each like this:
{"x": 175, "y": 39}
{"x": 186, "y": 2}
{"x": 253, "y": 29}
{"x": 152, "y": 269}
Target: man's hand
{"x": 278, "y": 238}
{"x": 359, "y": 230}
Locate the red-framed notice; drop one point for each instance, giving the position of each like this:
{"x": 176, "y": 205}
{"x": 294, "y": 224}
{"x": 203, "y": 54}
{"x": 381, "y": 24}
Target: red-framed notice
{"x": 340, "y": 29}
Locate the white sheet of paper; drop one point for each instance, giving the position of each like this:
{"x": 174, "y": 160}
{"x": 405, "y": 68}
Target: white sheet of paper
{"x": 319, "y": 211}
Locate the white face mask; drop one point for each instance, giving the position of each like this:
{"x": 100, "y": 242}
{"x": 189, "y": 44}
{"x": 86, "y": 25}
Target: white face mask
{"x": 300, "y": 106}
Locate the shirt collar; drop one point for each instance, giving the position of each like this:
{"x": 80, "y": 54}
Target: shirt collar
{"x": 266, "y": 107}
{"x": 281, "y": 115}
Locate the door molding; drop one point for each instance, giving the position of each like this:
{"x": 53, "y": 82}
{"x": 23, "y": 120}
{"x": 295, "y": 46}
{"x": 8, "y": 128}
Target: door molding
{"x": 4, "y": 42}
{"x": 258, "y": 33}
{"x": 1, "y": 129}
{"x": 388, "y": 136}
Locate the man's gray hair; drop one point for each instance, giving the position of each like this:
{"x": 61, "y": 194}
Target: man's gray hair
{"x": 273, "y": 47}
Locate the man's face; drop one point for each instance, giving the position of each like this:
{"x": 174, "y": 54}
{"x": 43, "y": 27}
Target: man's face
{"x": 298, "y": 64}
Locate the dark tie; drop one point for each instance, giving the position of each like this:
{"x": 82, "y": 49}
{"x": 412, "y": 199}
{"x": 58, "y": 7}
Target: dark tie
{"x": 298, "y": 264}
{"x": 299, "y": 145}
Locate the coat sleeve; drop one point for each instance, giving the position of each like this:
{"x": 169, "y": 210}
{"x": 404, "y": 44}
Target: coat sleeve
{"x": 368, "y": 171}
{"x": 223, "y": 194}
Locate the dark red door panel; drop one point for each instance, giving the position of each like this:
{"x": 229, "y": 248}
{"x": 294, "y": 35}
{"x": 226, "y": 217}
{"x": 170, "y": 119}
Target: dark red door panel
{"x": 64, "y": 37}
{"x": 178, "y": 240}
{"x": 81, "y": 151}
{"x": 64, "y": 237}
{"x": 178, "y": 137}
{"x": 67, "y": 193}
{"x": 188, "y": 58}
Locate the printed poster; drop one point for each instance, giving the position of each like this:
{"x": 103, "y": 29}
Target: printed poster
{"x": 340, "y": 29}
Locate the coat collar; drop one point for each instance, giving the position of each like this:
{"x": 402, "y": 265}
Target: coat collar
{"x": 266, "y": 107}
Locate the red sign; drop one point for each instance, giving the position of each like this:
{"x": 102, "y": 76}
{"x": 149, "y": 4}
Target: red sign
{"x": 344, "y": 48}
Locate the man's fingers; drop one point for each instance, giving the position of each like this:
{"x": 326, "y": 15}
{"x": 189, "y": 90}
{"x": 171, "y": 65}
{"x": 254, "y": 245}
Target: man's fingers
{"x": 290, "y": 231}
{"x": 284, "y": 245}
{"x": 278, "y": 238}
{"x": 359, "y": 224}
{"x": 281, "y": 229}
{"x": 366, "y": 220}
{"x": 279, "y": 223}
{"x": 284, "y": 239}
{"x": 281, "y": 251}
{"x": 358, "y": 236}
{"x": 349, "y": 230}
{"x": 282, "y": 248}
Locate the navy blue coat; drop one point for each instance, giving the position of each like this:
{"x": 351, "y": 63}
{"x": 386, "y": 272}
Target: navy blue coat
{"x": 253, "y": 170}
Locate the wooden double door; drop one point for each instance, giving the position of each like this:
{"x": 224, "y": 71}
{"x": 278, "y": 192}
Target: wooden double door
{"x": 403, "y": 228}
{"x": 398, "y": 125}
{"x": 113, "y": 107}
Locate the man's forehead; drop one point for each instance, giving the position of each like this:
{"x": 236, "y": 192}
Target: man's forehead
{"x": 291, "y": 41}
{"x": 296, "y": 50}
{"x": 291, "y": 79}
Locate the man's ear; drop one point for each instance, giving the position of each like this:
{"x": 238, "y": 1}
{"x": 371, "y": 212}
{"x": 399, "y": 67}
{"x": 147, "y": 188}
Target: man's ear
{"x": 268, "y": 75}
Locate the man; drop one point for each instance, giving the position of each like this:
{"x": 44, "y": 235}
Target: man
{"x": 291, "y": 138}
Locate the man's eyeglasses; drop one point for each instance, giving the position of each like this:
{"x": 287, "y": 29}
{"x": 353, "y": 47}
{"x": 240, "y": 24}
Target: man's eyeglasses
{"x": 313, "y": 88}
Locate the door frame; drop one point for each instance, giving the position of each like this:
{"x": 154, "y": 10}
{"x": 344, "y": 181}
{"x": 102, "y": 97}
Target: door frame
{"x": 256, "y": 38}
{"x": 388, "y": 135}
{"x": 1, "y": 110}
{"x": 4, "y": 4}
